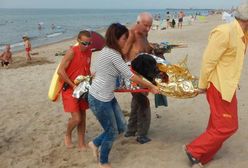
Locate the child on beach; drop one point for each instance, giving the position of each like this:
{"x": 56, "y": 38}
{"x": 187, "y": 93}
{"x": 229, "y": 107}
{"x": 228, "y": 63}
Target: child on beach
{"x": 27, "y": 46}
{"x": 6, "y": 57}
{"x": 75, "y": 62}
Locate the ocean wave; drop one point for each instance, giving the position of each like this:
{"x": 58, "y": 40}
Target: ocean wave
{"x": 53, "y": 34}
{"x": 17, "y": 44}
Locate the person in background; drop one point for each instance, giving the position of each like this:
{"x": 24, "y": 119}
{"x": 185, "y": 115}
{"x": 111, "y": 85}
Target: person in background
{"x": 76, "y": 62}
{"x": 109, "y": 66}
{"x": 220, "y": 74}
{"x": 27, "y": 46}
{"x": 168, "y": 19}
{"x": 159, "y": 17}
{"x": 6, "y": 57}
{"x": 39, "y": 27}
{"x": 53, "y": 27}
{"x": 173, "y": 23}
{"x": 180, "y": 19}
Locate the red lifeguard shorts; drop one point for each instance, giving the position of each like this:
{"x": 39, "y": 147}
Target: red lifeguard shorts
{"x": 72, "y": 104}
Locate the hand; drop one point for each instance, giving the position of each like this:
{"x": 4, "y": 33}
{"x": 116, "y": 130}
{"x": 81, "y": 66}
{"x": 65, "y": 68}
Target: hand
{"x": 154, "y": 45}
{"x": 93, "y": 74}
{"x": 201, "y": 91}
{"x": 154, "y": 90}
{"x": 74, "y": 87}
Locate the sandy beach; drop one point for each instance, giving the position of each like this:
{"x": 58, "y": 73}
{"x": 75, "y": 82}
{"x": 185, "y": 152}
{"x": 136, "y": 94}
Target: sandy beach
{"x": 32, "y": 127}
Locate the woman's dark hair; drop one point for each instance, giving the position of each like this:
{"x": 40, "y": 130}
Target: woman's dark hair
{"x": 113, "y": 34}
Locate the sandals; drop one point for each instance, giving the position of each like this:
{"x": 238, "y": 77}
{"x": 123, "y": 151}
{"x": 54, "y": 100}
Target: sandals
{"x": 143, "y": 139}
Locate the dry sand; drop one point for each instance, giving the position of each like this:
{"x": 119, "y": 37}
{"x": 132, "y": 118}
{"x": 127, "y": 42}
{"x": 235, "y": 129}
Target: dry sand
{"x": 32, "y": 128}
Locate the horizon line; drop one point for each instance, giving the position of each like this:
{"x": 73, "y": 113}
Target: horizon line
{"x": 128, "y": 8}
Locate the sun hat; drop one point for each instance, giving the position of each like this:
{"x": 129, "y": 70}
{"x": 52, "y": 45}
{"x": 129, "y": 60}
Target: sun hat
{"x": 242, "y": 11}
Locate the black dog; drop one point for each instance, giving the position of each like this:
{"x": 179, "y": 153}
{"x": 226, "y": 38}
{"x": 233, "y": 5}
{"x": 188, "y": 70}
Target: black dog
{"x": 145, "y": 65}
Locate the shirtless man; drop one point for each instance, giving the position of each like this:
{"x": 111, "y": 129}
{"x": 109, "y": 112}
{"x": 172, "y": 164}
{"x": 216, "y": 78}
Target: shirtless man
{"x": 140, "y": 117}
{"x": 6, "y": 57}
{"x": 137, "y": 42}
{"x": 180, "y": 19}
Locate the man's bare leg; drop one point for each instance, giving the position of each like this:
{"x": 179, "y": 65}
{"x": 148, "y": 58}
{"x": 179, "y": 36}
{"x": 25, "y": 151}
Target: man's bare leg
{"x": 72, "y": 123}
{"x": 81, "y": 131}
{"x": 181, "y": 25}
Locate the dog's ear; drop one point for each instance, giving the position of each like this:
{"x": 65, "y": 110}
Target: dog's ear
{"x": 145, "y": 65}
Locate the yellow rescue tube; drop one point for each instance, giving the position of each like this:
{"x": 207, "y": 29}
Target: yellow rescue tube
{"x": 55, "y": 86}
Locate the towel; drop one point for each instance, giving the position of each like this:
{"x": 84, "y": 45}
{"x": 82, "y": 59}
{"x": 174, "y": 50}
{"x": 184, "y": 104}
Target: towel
{"x": 160, "y": 100}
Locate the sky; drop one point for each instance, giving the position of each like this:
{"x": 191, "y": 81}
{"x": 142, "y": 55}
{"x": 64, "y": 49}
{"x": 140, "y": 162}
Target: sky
{"x": 120, "y": 4}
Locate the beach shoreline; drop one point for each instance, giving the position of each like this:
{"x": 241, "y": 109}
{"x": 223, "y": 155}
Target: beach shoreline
{"x": 71, "y": 39}
{"x": 38, "y": 26}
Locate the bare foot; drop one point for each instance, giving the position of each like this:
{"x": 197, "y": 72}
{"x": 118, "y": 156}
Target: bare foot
{"x": 94, "y": 150}
{"x": 197, "y": 166}
{"x": 68, "y": 143}
{"x": 82, "y": 147}
{"x": 104, "y": 165}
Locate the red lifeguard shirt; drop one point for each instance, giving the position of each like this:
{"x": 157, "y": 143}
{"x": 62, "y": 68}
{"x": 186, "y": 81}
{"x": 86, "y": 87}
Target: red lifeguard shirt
{"x": 80, "y": 64}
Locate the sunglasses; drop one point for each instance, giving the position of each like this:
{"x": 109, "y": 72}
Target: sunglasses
{"x": 85, "y": 43}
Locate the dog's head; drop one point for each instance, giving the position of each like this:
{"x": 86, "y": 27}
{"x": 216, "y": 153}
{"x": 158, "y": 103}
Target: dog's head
{"x": 145, "y": 65}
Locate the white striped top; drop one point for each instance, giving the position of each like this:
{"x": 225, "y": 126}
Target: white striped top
{"x": 109, "y": 65}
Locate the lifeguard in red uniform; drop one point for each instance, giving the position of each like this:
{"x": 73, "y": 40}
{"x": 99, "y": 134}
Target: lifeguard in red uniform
{"x": 220, "y": 74}
{"x": 76, "y": 62}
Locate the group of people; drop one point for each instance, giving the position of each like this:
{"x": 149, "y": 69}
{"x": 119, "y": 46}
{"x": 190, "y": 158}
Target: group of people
{"x": 220, "y": 74}
{"x": 172, "y": 19}
{"x": 122, "y": 45}
{"x": 6, "y": 56}
{"x": 40, "y": 26}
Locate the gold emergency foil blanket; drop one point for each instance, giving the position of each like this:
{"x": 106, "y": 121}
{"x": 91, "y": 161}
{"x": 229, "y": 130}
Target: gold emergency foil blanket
{"x": 180, "y": 83}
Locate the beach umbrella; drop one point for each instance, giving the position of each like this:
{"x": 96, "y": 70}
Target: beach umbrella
{"x": 98, "y": 41}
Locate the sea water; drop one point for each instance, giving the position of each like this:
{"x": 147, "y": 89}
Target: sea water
{"x": 44, "y": 26}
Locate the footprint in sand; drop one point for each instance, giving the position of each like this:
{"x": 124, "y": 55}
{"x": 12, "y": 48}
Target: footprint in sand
{"x": 128, "y": 141}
